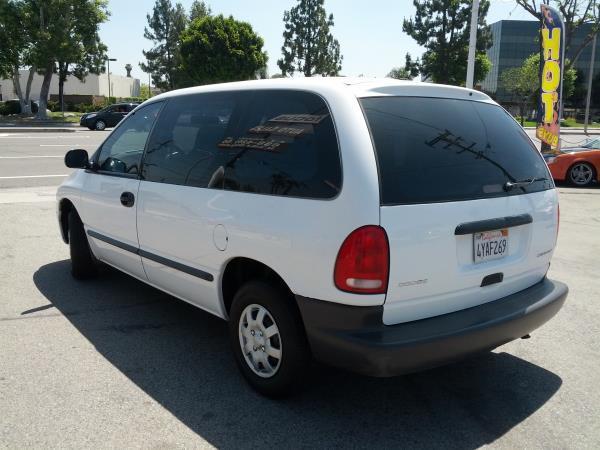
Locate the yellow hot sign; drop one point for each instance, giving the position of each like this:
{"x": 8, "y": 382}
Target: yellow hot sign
{"x": 548, "y": 128}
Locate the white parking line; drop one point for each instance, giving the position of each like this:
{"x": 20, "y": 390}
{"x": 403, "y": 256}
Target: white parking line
{"x": 32, "y": 176}
{"x": 30, "y": 157}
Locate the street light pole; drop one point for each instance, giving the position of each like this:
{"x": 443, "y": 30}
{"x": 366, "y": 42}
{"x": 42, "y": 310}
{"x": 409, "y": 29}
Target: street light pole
{"x": 472, "y": 43}
{"x": 109, "y": 60}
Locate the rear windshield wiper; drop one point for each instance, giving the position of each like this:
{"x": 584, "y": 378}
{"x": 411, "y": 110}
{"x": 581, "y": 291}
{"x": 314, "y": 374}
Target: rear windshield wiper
{"x": 522, "y": 183}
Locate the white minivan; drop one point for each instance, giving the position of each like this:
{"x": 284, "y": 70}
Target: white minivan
{"x": 378, "y": 226}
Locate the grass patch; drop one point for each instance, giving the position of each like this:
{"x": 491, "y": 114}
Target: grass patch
{"x": 567, "y": 123}
{"x": 71, "y": 117}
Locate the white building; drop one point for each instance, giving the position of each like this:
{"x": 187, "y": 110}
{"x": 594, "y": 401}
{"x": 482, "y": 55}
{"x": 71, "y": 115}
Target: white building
{"x": 96, "y": 85}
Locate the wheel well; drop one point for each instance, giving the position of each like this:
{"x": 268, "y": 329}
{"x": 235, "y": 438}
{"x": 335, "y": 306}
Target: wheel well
{"x": 242, "y": 270}
{"x": 65, "y": 207}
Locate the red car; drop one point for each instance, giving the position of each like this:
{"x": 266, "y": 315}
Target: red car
{"x": 579, "y": 166}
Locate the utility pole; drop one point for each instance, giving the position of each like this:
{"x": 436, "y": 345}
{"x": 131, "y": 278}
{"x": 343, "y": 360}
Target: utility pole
{"x": 472, "y": 43}
{"x": 109, "y": 60}
{"x": 589, "y": 87}
{"x": 149, "y": 85}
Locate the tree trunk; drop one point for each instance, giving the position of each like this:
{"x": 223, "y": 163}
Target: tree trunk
{"x": 16, "y": 79}
{"x": 41, "y": 114}
{"x": 28, "y": 91}
{"x": 62, "y": 77}
{"x": 522, "y": 112}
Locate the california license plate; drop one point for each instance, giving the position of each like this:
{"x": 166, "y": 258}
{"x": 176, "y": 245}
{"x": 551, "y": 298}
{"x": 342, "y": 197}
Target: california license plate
{"x": 490, "y": 245}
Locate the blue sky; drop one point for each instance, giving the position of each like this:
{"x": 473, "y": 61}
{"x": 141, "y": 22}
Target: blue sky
{"x": 369, "y": 32}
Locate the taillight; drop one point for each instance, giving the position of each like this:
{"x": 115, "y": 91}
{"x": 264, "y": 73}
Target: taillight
{"x": 362, "y": 264}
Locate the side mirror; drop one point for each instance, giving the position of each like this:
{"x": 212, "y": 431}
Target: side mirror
{"x": 77, "y": 159}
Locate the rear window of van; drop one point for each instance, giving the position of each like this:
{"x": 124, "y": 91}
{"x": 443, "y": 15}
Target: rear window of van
{"x": 439, "y": 150}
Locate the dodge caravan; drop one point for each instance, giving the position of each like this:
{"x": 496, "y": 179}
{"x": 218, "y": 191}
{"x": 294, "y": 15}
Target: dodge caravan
{"x": 378, "y": 226}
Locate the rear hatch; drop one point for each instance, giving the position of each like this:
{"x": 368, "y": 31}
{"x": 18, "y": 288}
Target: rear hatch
{"x": 467, "y": 202}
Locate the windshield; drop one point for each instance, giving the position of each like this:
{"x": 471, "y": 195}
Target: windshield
{"x": 437, "y": 150}
{"x": 594, "y": 143}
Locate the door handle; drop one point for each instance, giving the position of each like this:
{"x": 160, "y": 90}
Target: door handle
{"x": 127, "y": 199}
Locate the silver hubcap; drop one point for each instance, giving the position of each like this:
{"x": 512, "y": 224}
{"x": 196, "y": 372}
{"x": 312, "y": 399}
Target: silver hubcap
{"x": 100, "y": 125}
{"x": 260, "y": 341}
{"x": 581, "y": 174}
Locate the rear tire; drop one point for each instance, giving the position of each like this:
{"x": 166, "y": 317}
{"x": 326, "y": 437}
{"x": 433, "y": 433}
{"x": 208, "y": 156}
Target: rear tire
{"x": 100, "y": 125}
{"x": 83, "y": 263}
{"x": 268, "y": 340}
{"x": 581, "y": 174}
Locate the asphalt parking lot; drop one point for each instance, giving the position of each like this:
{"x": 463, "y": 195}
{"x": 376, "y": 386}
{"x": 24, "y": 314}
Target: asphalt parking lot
{"x": 113, "y": 363}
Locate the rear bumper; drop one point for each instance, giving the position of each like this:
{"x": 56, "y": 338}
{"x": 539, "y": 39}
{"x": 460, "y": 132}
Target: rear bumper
{"x": 355, "y": 338}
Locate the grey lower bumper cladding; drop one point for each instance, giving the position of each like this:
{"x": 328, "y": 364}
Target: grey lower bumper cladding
{"x": 355, "y": 338}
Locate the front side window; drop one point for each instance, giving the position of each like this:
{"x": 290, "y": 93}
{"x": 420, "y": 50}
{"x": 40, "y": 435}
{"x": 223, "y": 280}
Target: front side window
{"x": 122, "y": 151}
{"x": 439, "y": 149}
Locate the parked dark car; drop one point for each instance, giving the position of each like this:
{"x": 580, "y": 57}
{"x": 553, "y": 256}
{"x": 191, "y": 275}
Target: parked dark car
{"x": 107, "y": 117}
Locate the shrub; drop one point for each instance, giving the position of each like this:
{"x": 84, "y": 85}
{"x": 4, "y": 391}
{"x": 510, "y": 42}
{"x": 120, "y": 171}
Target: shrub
{"x": 53, "y": 105}
{"x": 10, "y": 107}
{"x": 85, "y": 108}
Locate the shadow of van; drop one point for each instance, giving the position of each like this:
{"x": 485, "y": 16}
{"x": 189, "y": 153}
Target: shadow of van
{"x": 180, "y": 357}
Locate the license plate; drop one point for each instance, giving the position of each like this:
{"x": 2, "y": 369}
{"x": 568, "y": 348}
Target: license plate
{"x": 490, "y": 245}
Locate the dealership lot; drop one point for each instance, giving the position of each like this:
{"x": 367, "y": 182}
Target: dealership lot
{"x": 114, "y": 363}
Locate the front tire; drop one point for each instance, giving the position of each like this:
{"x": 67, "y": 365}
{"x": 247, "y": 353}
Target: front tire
{"x": 268, "y": 339}
{"x": 581, "y": 174}
{"x": 83, "y": 263}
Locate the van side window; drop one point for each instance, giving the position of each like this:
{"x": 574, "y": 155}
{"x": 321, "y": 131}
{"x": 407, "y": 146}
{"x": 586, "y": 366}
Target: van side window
{"x": 266, "y": 142}
{"x": 122, "y": 151}
{"x": 184, "y": 147}
{"x": 284, "y": 144}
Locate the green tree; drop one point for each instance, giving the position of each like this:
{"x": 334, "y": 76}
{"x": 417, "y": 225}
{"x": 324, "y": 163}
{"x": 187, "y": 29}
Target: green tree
{"x": 16, "y": 39}
{"x": 199, "y": 10}
{"x": 215, "y": 49}
{"x": 85, "y": 53}
{"x": 409, "y": 71}
{"x": 67, "y": 37}
{"x": 442, "y": 27}
{"x": 308, "y": 46}
{"x": 13, "y": 42}
{"x": 165, "y": 26}
{"x": 523, "y": 83}
{"x": 575, "y": 13}
{"x": 145, "y": 92}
